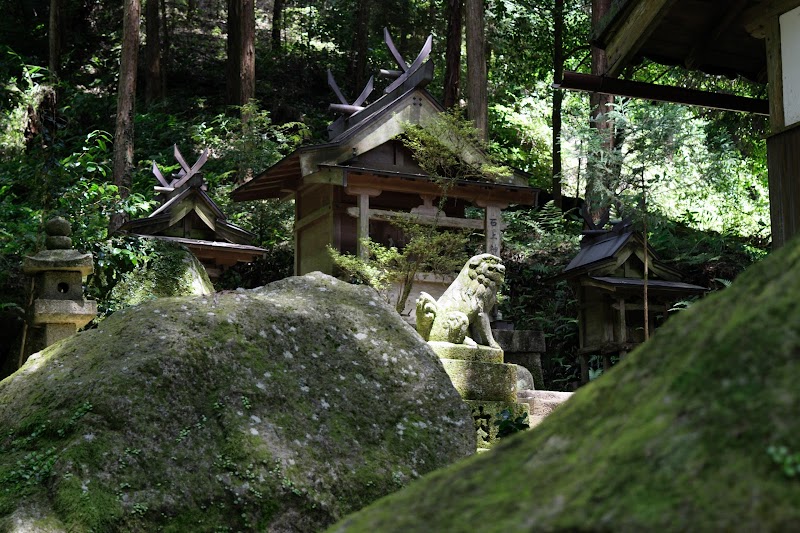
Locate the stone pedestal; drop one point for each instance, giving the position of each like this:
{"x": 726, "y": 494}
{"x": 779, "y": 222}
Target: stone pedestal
{"x": 59, "y": 308}
{"x": 524, "y": 348}
{"x": 487, "y": 384}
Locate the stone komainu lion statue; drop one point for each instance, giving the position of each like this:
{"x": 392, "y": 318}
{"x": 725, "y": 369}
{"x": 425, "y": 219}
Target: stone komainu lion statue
{"x": 465, "y": 306}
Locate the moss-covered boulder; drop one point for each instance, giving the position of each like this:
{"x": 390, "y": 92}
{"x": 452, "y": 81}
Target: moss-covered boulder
{"x": 282, "y": 409}
{"x": 698, "y": 430}
{"x": 171, "y": 270}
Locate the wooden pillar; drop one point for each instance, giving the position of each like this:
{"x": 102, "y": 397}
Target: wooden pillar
{"x": 363, "y": 195}
{"x": 775, "y": 93}
{"x": 493, "y": 225}
{"x": 622, "y": 334}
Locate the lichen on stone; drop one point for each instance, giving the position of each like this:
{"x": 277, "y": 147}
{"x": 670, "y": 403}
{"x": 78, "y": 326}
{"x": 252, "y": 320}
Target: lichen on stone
{"x": 184, "y": 414}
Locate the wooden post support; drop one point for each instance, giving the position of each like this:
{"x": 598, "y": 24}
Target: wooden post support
{"x": 363, "y": 195}
{"x": 363, "y": 224}
{"x": 493, "y": 226}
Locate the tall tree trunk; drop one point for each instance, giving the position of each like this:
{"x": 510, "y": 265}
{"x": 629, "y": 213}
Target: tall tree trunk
{"x": 154, "y": 85}
{"x": 55, "y": 37}
{"x": 126, "y": 98}
{"x": 277, "y": 23}
{"x": 558, "y": 73}
{"x": 477, "y": 99}
{"x": 241, "y": 66}
{"x": 452, "y": 62}
{"x": 597, "y": 176}
{"x": 166, "y": 48}
{"x": 358, "y": 73}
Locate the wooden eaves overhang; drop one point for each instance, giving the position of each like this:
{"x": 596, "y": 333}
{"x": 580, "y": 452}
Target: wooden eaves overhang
{"x": 608, "y": 251}
{"x": 191, "y": 200}
{"x": 718, "y": 37}
{"x": 336, "y": 162}
{"x": 592, "y": 265}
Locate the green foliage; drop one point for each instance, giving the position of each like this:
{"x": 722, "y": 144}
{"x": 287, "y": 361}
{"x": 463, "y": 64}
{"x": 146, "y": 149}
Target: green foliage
{"x": 538, "y": 245}
{"x": 375, "y": 272}
{"x": 521, "y": 136}
{"x": 22, "y": 92}
{"x": 426, "y": 250}
{"x": 448, "y": 148}
{"x": 691, "y": 167}
{"x": 36, "y": 456}
{"x": 278, "y": 263}
{"x": 788, "y": 462}
{"x": 508, "y": 425}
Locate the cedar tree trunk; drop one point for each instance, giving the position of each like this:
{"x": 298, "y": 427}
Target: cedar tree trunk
{"x": 452, "y": 62}
{"x": 154, "y": 86}
{"x": 477, "y": 100}
{"x": 126, "y": 98}
{"x": 241, "y": 67}
{"x": 597, "y": 175}
{"x": 55, "y": 37}
{"x": 558, "y": 73}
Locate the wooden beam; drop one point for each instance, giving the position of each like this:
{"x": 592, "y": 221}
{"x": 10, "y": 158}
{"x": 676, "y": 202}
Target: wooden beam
{"x": 698, "y": 52}
{"x": 774, "y": 75}
{"x": 633, "y": 32}
{"x": 312, "y": 217}
{"x": 468, "y": 192}
{"x": 664, "y": 93}
{"x": 325, "y": 175}
{"x": 441, "y": 220}
{"x": 757, "y": 18}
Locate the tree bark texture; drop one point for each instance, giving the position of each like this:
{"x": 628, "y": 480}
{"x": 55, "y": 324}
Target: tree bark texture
{"x": 558, "y": 73}
{"x": 597, "y": 203}
{"x": 55, "y": 37}
{"x": 241, "y": 66}
{"x": 477, "y": 103}
{"x": 358, "y": 73}
{"x": 126, "y": 99}
{"x": 154, "y": 85}
{"x": 452, "y": 62}
{"x": 277, "y": 22}
{"x": 166, "y": 48}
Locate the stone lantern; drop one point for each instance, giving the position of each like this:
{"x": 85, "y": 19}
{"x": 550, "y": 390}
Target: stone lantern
{"x": 59, "y": 271}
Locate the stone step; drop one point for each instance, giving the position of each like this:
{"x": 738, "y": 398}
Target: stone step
{"x": 541, "y": 403}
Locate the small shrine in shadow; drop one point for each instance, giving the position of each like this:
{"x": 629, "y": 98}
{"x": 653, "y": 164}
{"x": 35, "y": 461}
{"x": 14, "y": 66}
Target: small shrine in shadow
{"x": 351, "y": 187}
{"x": 188, "y": 216}
{"x": 609, "y": 280}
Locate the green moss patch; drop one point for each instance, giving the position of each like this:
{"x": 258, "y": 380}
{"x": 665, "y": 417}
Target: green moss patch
{"x": 682, "y": 436}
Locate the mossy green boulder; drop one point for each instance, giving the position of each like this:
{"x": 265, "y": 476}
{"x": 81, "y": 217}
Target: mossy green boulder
{"x": 698, "y": 430}
{"x": 278, "y": 409}
{"x": 171, "y": 270}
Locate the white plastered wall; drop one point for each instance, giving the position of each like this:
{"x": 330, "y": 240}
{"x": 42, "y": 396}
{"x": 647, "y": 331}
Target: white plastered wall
{"x": 790, "y": 63}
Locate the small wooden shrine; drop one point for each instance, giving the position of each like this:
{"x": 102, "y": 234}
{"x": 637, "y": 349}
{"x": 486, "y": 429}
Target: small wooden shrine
{"x": 350, "y": 187}
{"x": 188, "y": 216}
{"x": 608, "y": 278}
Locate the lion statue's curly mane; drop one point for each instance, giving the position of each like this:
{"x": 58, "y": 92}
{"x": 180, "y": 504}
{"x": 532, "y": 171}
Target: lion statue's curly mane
{"x": 465, "y": 306}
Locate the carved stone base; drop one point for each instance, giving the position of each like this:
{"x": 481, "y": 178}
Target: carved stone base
{"x": 487, "y": 384}
{"x": 476, "y": 380}
{"x": 486, "y": 414}
{"x": 448, "y": 350}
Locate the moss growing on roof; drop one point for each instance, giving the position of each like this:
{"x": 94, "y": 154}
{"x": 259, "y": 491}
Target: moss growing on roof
{"x": 684, "y": 435}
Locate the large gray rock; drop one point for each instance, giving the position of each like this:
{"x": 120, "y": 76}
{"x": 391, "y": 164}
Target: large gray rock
{"x": 277, "y": 409}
